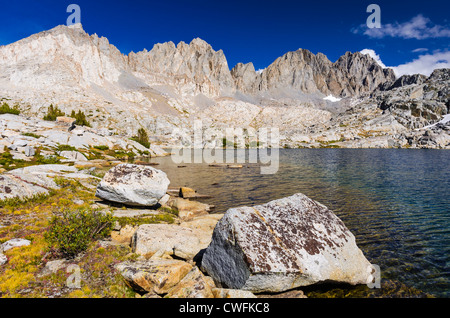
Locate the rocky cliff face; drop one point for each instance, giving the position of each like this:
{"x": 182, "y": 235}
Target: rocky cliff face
{"x": 361, "y": 73}
{"x": 68, "y": 56}
{"x": 416, "y": 101}
{"x": 171, "y": 85}
{"x": 352, "y": 75}
{"x": 59, "y": 58}
{"x": 194, "y": 68}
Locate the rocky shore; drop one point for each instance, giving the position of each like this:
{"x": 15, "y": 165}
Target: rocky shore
{"x": 176, "y": 248}
{"x": 165, "y": 242}
{"x": 272, "y": 248}
{"x": 25, "y": 138}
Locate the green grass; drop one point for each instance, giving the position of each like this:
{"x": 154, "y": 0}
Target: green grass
{"x": 29, "y": 134}
{"x": 121, "y": 154}
{"x": 151, "y": 219}
{"x": 65, "y": 148}
{"x": 21, "y": 201}
{"x": 101, "y": 147}
{"x": 9, "y": 163}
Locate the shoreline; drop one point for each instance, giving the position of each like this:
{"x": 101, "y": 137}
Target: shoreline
{"x": 122, "y": 237}
{"x": 98, "y": 159}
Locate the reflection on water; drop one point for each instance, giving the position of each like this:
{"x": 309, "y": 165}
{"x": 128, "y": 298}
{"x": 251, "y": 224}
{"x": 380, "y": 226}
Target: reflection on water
{"x": 395, "y": 201}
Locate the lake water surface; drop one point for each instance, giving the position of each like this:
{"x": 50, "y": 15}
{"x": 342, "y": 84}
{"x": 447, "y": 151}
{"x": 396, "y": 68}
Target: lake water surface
{"x": 395, "y": 201}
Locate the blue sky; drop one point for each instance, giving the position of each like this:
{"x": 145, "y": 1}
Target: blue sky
{"x": 414, "y": 35}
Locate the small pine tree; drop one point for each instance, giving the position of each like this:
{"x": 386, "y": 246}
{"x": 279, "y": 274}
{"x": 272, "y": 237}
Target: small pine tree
{"x": 6, "y": 109}
{"x": 142, "y": 138}
{"x": 80, "y": 118}
{"x": 53, "y": 112}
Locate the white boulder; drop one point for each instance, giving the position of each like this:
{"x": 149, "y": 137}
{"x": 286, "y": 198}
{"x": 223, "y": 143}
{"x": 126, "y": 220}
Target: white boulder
{"x": 134, "y": 185}
{"x": 282, "y": 245}
{"x": 14, "y": 243}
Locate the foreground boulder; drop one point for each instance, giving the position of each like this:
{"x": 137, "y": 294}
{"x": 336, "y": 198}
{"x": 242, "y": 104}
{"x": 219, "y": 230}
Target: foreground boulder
{"x": 154, "y": 275}
{"x": 134, "y": 185}
{"x": 193, "y": 285}
{"x": 169, "y": 239}
{"x": 188, "y": 210}
{"x": 282, "y": 245}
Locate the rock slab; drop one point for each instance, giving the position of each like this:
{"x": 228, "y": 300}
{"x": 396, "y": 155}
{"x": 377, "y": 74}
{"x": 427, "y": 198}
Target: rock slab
{"x": 34, "y": 180}
{"x": 17, "y": 242}
{"x": 281, "y": 245}
{"x": 193, "y": 285}
{"x": 154, "y": 275}
{"x": 134, "y": 185}
{"x": 182, "y": 242}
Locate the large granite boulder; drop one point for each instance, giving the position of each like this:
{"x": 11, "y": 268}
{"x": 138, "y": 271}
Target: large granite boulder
{"x": 282, "y": 245}
{"x": 134, "y": 185}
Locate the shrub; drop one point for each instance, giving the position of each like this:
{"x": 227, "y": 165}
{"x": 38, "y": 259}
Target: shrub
{"x": 6, "y": 109}
{"x": 142, "y": 138}
{"x": 228, "y": 144}
{"x": 65, "y": 148}
{"x": 101, "y": 147}
{"x": 53, "y": 112}
{"x": 46, "y": 160}
{"x": 80, "y": 118}
{"x": 6, "y": 158}
{"x": 73, "y": 231}
{"x": 30, "y": 134}
{"x": 121, "y": 154}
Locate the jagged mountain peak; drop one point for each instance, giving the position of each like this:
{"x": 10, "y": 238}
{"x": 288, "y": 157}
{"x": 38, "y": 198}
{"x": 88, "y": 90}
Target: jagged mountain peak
{"x": 196, "y": 44}
{"x": 192, "y": 68}
{"x": 200, "y": 44}
{"x": 248, "y": 67}
{"x": 349, "y": 59}
{"x": 64, "y": 56}
{"x": 172, "y": 84}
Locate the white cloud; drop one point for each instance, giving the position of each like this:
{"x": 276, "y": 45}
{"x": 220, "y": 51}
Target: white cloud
{"x": 425, "y": 64}
{"x": 420, "y": 50}
{"x": 374, "y": 55}
{"x": 419, "y": 28}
